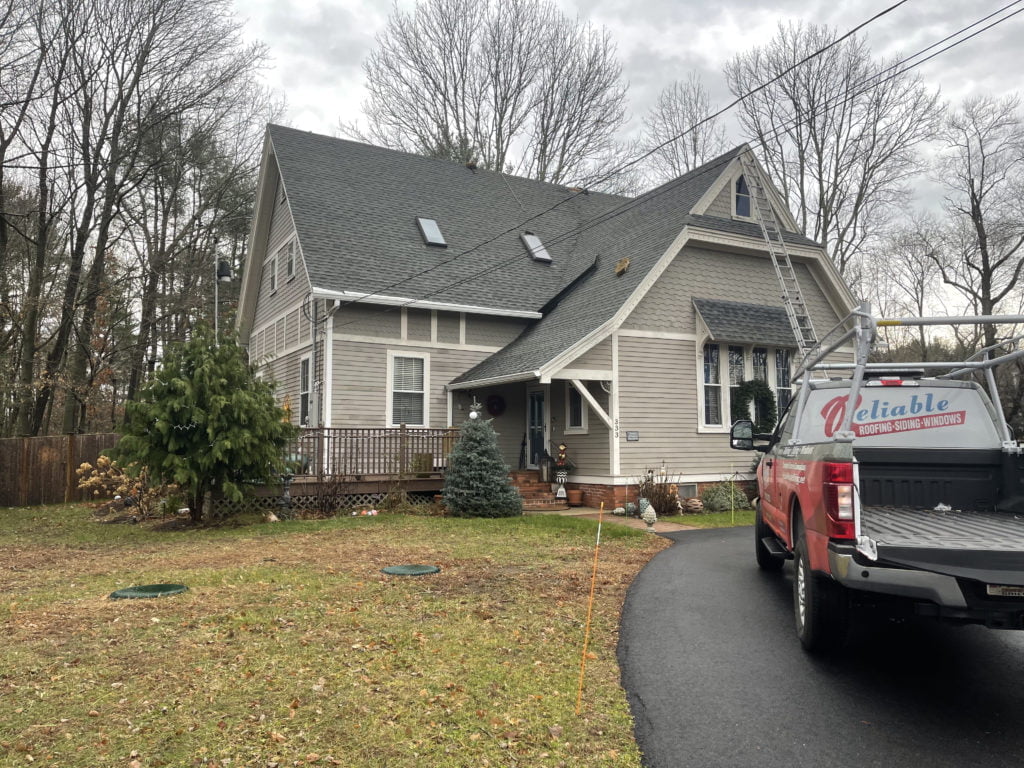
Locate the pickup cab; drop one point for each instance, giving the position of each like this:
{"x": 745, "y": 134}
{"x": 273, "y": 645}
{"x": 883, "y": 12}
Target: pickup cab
{"x": 892, "y": 491}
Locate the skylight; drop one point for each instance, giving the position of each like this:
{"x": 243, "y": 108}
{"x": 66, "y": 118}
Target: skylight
{"x": 535, "y": 247}
{"x": 431, "y": 232}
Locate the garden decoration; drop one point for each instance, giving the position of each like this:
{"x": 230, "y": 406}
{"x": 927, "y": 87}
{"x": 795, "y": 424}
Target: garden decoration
{"x": 650, "y": 517}
{"x": 562, "y": 467}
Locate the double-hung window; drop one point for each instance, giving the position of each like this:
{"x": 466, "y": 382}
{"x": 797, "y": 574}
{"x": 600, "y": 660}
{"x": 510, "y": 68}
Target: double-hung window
{"x": 289, "y": 259}
{"x": 408, "y": 397}
{"x": 735, "y": 364}
{"x": 742, "y": 198}
{"x": 272, "y": 270}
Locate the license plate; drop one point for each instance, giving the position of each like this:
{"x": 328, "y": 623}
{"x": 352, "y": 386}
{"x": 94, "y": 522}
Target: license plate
{"x": 999, "y": 590}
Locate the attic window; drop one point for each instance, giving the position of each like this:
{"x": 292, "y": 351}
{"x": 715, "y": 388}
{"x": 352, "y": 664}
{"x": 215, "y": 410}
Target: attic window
{"x": 431, "y": 232}
{"x": 742, "y": 198}
{"x": 535, "y": 247}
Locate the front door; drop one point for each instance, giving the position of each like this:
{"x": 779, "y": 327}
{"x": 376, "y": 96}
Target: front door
{"x": 536, "y": 427}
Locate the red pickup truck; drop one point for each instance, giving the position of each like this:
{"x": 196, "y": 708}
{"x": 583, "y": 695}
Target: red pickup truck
{"x": 892, "y": 491}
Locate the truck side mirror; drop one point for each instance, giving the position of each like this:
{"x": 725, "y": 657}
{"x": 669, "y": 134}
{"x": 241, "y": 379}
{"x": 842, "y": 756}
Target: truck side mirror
{"x": 741, "y": 435}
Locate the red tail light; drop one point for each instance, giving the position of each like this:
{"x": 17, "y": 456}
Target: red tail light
{"x": 838, "y": 491}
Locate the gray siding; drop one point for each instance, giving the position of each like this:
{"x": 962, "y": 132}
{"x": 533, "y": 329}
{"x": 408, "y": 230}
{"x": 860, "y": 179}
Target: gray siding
{"x": 707, "y": 274}
{"x": 290, "y": 292}
{"x": 417, "y": 324}
{"x": 360, "y": 387}
{"x": 660, "y": 402}
{"x": 721, "y": 206}
{"x": 284, "y": 371}
{"x": 484, "y": 330}
{"x": 509, "y": 426}
{"x": 369, "y": 320}
{"x": 590, "y": 451}
{"x": 599, "y": 357}
{"x": 448, "y": 327}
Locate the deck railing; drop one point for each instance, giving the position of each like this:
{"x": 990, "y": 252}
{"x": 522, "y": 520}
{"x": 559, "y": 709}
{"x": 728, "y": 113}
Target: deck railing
{"x": 356, "y": 452}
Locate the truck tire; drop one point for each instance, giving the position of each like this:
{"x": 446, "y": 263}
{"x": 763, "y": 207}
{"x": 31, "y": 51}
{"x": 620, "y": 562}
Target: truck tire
{"x": 766, "y": 561}
{"x": 821, "y": 607}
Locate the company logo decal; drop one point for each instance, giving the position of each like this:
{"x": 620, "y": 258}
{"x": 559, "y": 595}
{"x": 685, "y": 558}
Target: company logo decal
{"x": 879, "y": 417}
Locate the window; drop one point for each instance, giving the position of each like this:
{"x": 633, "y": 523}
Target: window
{"x": 289, "y": 259}
{"x": 783, "y": 380}
{"x": 712, "y": 386}
{"x": 409, "y": 376}
{"x": 742, "y": 198}
{"x": 741, "y": 363}
{"x": 272, "y": 269}
{"x": 575, "y": 411}
{"x": 304, "y": 391}
{"x": 431, "y": 232}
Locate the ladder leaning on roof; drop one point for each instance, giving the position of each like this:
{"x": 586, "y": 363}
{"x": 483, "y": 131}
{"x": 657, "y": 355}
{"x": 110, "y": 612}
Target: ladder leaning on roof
{"x": 792, "y": 296}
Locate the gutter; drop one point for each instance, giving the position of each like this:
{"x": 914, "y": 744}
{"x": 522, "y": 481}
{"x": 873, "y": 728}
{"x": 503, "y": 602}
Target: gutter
{"x": 349, "y": 297}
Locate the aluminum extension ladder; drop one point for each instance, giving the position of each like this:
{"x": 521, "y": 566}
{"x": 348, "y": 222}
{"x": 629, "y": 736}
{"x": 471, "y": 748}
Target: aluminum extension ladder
{"x": 792, "y": 296}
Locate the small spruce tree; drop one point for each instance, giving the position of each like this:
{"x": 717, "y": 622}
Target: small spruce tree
{"x": 205, "y": 421}
{"x": 477, "y": 483}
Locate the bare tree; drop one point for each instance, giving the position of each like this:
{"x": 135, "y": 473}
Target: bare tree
{"x": 839, "y": 134}
{"x": 514, "y": 86}
{"x": 680, "y": 131}
{"x": 982, "y": 168}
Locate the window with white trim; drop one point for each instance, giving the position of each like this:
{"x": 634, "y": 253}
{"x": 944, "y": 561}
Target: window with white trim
{"x": 712, "y": 386}
{"x": 739, "y": 363}
{"x": 575, "y": 411}
{"x": 305, "y": 390}
{"x": 289, "y": 259}
{"x": 741, "y": 200}
{"x": 272, "y": 271}
{"x": 409, "y": 377}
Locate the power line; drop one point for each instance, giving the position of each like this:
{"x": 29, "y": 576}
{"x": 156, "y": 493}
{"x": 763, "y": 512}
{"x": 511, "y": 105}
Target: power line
{"x": 894, "y": 70}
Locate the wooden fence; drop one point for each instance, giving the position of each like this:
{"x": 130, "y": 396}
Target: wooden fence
{"x": 41, "y": 470}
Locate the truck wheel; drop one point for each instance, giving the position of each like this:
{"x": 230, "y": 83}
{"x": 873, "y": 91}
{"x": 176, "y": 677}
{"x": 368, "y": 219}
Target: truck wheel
{"x": 821, "y": 606}
{"x": 766, "y": 561}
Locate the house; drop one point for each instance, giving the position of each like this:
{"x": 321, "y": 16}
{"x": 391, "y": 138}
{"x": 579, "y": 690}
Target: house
{"x": 384, "y": 288}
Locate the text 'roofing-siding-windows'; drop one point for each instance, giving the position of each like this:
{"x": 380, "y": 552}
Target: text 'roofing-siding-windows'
{"x": 431, "y": 232}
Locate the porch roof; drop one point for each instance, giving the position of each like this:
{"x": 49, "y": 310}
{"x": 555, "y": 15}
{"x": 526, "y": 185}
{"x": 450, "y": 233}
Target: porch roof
{"x": 736, "y": 321}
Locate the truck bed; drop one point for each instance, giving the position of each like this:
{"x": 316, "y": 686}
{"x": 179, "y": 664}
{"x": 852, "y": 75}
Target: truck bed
{"x": 955, "y": 529}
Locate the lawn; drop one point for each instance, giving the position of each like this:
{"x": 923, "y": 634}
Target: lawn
{"x": 713, "y": 519}
{"x": 292, "y": 648}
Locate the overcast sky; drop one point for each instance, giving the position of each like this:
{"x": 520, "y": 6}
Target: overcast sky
{"x": 317, "y": 46}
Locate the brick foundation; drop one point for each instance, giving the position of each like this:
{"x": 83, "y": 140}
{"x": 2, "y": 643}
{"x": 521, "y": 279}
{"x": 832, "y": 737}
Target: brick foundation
{"x": 617, "y": 495}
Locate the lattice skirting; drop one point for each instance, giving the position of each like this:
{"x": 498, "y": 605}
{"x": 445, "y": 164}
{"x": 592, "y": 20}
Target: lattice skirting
{"x": 322, "y": 504}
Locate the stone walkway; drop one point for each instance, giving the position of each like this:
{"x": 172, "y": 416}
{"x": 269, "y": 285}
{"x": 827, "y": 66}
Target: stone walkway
{"x": 632, "y": 522}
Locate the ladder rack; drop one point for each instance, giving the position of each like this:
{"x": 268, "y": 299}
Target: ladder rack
{"x": 792, "y": 296}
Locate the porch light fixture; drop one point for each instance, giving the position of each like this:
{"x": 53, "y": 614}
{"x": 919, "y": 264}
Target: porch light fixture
{"x": 223, "y": 276}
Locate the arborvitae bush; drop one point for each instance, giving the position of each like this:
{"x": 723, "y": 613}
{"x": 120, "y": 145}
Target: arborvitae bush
{"x": 477, "y": 482}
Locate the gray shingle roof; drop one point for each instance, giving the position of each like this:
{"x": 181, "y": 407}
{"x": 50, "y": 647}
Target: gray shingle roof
{"x": 355, "y": 209}
{"x": 736, "y": 321}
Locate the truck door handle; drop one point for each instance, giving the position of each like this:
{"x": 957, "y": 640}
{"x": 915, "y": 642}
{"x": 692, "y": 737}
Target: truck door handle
{"x": 768, "y": 462}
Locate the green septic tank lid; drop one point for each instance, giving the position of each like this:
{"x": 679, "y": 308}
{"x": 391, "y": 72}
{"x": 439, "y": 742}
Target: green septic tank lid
{"x": 410, "y": 570}
{"x": 149, "y": 590}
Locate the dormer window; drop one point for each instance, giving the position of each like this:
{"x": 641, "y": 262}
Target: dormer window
{"x": 535, "y": 247}
{"x": 431, "y": 232}
{"x": 742, "y": 198}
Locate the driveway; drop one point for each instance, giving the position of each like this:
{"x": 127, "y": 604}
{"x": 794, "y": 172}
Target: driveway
{"x": 716, "y": 676}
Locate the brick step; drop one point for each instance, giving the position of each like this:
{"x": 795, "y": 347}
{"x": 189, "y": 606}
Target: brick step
{"x": 542, "y": 487}
{"x": 537, "y": 496}
{"x": 554, "y": 505}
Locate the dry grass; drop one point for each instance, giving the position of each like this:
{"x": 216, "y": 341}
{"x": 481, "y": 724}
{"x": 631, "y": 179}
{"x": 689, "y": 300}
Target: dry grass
{"x": 292, "y": 648}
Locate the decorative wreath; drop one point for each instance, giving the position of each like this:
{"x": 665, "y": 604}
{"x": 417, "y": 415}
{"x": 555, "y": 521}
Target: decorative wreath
{"x": 763, "y": 398}
{"x": 495, "y": 405}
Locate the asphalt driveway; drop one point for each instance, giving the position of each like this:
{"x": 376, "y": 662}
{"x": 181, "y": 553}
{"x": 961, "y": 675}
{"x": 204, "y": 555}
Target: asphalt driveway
{"x": 716, "y": 676}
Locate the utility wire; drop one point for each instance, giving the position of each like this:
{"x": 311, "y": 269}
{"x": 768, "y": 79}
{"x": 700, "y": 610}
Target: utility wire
{"x": 875, "y": 80}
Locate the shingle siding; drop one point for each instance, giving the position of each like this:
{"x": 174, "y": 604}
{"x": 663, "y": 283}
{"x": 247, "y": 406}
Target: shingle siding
{"x": 489, "y": 331}
{"x": 369, "y": 320}
{"x": 290, "y": 292}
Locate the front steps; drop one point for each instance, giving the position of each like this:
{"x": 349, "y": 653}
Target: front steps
{"x": 537, "y": 496}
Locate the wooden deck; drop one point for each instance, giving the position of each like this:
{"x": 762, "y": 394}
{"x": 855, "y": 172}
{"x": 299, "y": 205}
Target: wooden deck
{"x": 372, "y": 454}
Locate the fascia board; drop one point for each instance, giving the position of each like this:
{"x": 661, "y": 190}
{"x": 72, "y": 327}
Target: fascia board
{"x": 258, "y": 233}
{"x": 404, "y": 301}
{"x": 494, "y": 381}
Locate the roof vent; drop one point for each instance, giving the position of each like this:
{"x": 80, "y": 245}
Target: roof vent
{"x": 535, "y": 247}
{"x": 431, "y": 232}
